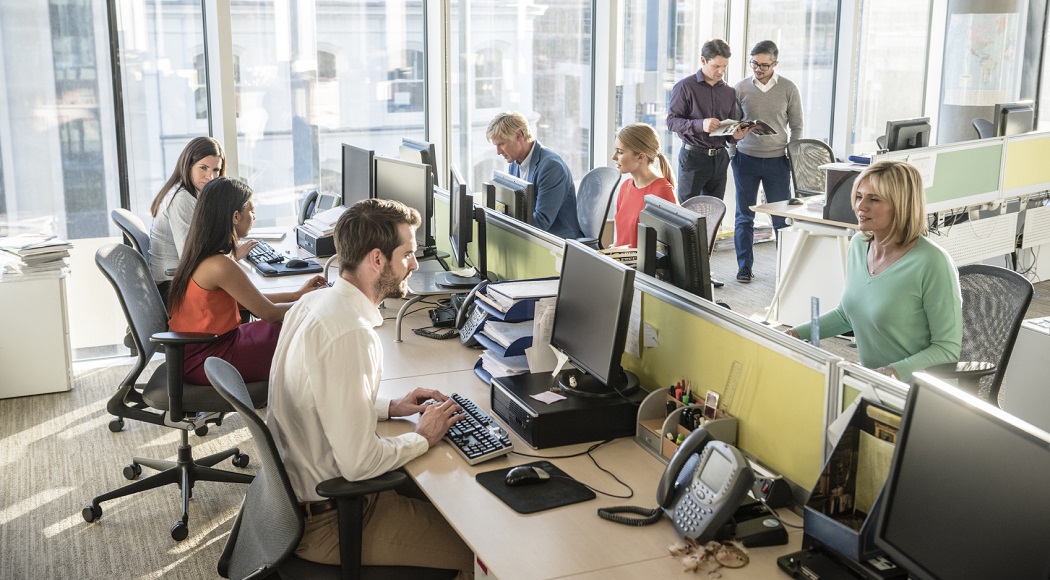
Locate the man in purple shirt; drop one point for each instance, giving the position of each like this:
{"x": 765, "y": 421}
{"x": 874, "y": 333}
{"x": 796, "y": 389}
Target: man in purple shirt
{"x": 697, "y": 104}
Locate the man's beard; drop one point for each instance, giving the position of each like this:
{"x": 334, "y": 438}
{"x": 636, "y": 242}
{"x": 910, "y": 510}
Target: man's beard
{"x": 389, "y": 285}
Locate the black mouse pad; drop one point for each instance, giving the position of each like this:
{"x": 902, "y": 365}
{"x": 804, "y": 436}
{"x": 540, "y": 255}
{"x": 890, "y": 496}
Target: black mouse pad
{"x": 282, "y": 269}
{"x": 561, "y": 489}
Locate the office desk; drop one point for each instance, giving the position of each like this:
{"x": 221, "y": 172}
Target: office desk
{"x": 570, "y": 541}
{"x": 811, "y": 261}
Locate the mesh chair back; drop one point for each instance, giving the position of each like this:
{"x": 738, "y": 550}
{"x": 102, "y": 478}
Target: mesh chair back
{"x": 994, "y": 302}
{"x": 594, "y": 198}
{"x": 270, "y": 523}
{"x": 713, "y": 210}
{"x": 134, "y": 229}
{"x": 806, "y": 156}
{"x": 127, "y": 271}
{"x": 984, "y": 128}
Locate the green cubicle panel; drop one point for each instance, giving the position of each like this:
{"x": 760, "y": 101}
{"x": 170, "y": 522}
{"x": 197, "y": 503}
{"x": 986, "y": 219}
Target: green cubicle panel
{"x": 776, "y": 386}
{"x": 441, "y": 220}
{"x": 964, "y": 173}
{"x": 518, "y": 251}
{"x": 1026, "y": 170}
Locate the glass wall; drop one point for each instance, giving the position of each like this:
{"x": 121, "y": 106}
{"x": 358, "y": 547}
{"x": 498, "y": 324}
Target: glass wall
{"x": 659, "y": 44}
{"x": 805, "y": 34}
{"x": 57, "y": 144}
{"x": 532, "y": 58}
{"x": 890, "y": 68}
{"x": 313, "y": 75}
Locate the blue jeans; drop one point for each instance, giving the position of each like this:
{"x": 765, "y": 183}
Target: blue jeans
{"x": 774, "y": 173}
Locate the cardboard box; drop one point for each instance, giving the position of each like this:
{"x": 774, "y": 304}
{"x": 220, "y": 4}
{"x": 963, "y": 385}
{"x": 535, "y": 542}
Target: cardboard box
{"x": 843, "y": 506}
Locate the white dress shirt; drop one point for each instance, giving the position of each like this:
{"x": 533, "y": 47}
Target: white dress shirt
{"x": 167, "y": 235}
{"x": 323, "y": 403}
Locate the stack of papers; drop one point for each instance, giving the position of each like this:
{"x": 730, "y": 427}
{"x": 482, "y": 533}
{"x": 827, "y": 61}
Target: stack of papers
{"x": 323, "y": 224}
{"x": 623, "y": 254}
{"x": 505, "y": 333}
{"x": 504, "y": 366}
{"x": 507, "y": 294}
{"x": 37, "y": 252}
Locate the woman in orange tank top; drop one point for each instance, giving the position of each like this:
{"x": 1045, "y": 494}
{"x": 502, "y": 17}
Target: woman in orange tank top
{"x": 209, "y": 288}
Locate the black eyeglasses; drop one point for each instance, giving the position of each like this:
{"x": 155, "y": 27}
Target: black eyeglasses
{"x": 762, "y": 66}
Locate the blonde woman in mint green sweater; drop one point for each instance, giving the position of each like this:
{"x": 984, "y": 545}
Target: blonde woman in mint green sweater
{"x": 901, "y": 298}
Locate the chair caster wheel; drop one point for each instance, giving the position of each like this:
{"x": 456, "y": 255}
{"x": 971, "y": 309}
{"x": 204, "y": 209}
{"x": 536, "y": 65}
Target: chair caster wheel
{"x": 201, "y": 431}
{"x": 180, "y": 531}
{"x": 91, "y": 513}
{"x": 132, "y": 471}
{"x": 240, "y": 460}
{"x": 116, "y": 425}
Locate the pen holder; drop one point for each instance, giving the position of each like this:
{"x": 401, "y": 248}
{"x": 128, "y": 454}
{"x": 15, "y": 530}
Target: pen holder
{"x": 655, "y": 423}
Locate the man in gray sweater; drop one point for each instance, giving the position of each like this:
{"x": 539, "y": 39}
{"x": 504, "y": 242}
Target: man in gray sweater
{"x": 762, "y": 159}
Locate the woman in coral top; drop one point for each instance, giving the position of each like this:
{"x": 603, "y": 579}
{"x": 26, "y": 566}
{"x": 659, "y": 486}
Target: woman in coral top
{"x": 209, "y": 286}
{"x": 637, "y": 148}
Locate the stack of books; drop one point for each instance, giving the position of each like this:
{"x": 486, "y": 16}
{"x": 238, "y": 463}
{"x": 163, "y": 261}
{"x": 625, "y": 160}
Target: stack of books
{"x": 504, "y": 295}
{"x": 35, "y": 253}
{"x": 323, "y": 224}
{"x": 508, "y": 329}
{"x": 623, "y": 254}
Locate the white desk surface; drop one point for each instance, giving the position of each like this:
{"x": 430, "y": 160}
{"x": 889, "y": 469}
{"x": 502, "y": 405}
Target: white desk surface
{"x": 802, "y": 212}
{"x": 571, "y": 541}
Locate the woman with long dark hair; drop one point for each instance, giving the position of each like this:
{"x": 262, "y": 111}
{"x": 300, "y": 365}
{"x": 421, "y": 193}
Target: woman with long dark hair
{"x": 209, "y": 285}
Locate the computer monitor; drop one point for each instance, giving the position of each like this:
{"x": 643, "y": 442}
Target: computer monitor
{"x": 907, "y": 134}
{"x": 412, "y": 184}
{"x": 358, "y": 174}
{"x": 511, "y": 195}
{"x": 590, "y": 322}
{"x": 964, "y": 497}
{"x": 461, "y": 233}
{"x": 672, "y": 246}
{"x": 419, "y": 152}
{"x": 1014, "y": 118}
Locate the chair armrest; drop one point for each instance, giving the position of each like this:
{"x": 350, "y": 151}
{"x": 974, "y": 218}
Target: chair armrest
{"x": 350, "y": 504}
{"x": 967, "y": 373}
{"x": 183, "y": 338}
{"x": 338, "y": 488}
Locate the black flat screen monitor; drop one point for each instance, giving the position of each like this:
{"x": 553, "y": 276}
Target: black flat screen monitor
{"x": 419, "y": 152}
{"x": 358, "y": 174}
{"x": 411, "y": 184}
{"x": 461, "y": 233}
{"x": 1014, "y": 118}
{"x": 590, "y": 322}
{"x": 907, "y": 134}
{"x": 966, "y": 496}
{"x": 511, "y": 195}
{"x": 672, "y": 246}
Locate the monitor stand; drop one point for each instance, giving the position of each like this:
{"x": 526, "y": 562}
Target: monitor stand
{"x": 583, "y": 384}
{"x": 455, "y": 282}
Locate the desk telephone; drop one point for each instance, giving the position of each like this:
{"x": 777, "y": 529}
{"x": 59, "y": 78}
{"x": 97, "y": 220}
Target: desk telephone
{"x": 704, "y": 483}
{"x": 469, "y": 317}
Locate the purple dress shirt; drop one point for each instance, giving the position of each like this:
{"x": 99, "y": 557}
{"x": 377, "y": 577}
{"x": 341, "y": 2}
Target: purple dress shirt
{"x": 692, "y": 101}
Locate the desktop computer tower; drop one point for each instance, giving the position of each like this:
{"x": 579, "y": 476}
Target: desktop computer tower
{"x": 575, "y": 419}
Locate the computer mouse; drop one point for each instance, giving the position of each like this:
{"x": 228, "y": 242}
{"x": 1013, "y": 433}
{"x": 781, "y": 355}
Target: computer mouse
{"x": 794, "y": 201}
{"x": 526, "y": 475}
{"x": 296, "y": 263}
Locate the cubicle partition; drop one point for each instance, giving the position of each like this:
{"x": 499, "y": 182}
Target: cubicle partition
{"x": 778, "y": 387}
{"x": 1025, "y": 170}
{"x": 968, "y": 173}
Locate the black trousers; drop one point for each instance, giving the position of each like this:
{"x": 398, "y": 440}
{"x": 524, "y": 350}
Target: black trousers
{"x": 702, "y": 174}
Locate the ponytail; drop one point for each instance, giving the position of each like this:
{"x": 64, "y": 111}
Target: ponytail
{"x": 665, "y": 168}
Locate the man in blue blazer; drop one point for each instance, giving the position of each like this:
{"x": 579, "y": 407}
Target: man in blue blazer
{"x": 555, "y": 210}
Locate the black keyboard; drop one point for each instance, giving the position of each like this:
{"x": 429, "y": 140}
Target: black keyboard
{"x": 477, "y": 437}
{"x": 264, "y": 254}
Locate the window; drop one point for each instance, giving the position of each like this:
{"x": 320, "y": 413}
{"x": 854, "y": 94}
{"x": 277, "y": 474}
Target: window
{"x": 406, "y": 83}
{"x": 544, "y": 74}
{"x": 805, "y": 34}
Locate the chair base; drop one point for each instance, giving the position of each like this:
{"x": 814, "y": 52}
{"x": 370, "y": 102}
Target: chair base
{"x": 184, "y": 472}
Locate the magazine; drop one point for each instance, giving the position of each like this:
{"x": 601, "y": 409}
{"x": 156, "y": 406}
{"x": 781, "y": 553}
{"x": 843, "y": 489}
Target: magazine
{"x": 727, "y": 127}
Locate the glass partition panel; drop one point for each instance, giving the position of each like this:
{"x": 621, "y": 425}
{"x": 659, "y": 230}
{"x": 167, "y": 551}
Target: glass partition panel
{"x": 532, "y": 58}
{"x": 312, "y": 75}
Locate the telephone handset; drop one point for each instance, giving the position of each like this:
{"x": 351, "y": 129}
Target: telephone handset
{"x": 469, "y": 317}
{"x": 309, "y": 207}
{"x": 703, "y": 485}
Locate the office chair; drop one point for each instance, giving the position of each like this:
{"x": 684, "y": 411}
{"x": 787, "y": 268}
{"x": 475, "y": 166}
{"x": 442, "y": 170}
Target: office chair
{"x": 713, "y": 210}
{"x": 134, "y": 230}
{"x": 994, "y": 302}
{"x": 880, "y": 142}
{"x": 164, "y": 399}
{"x": 593, "y": 199}
{"x": 806, "y": 156}
{"x": 984, "y": 128}
{"x": 270, "y": 524}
